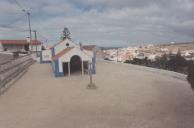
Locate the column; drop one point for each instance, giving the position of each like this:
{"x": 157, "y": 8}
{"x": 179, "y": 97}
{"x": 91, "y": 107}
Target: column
{"x": 88, "y": 67}
{"x": 82, "y": 68}
{"x": 69, "y": 69}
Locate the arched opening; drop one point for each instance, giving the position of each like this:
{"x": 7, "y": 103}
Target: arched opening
{"x": 75, "y": 64}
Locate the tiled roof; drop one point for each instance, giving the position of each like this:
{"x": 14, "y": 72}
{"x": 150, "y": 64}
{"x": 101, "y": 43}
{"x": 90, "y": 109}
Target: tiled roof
{"x": 62, "y": 53}
{"x": 89, "y": 47}
{"x": 20, "y": 42}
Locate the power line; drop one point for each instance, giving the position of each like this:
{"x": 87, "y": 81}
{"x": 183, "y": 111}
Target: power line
{"x": 43, "y": 37}
{"x": 15, "y": 21}
{"x": 13, "y": 28}
{"x": 19, "y": 5}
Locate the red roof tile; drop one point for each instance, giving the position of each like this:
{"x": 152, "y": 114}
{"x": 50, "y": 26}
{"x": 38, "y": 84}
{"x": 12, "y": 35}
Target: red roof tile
{"x": 89, "y": 47}
{"x": 62, "y": 53}
{"x": 20, "y": 42}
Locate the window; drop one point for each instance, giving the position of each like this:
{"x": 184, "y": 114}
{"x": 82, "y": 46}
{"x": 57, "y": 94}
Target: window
{"x": 67, "y": 44}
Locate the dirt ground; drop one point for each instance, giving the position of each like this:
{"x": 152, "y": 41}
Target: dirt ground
{"x": 125, "y": 97}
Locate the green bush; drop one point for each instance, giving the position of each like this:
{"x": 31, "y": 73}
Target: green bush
{"x": 190, "y": 76}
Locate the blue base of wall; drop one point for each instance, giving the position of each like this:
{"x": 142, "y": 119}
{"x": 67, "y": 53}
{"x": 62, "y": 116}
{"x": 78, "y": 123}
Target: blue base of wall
{"x": 55, "y": 66}
{"x": 59, "y": 74}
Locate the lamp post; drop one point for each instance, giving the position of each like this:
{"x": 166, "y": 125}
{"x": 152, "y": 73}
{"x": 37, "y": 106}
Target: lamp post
{"x": 29, "y": 25}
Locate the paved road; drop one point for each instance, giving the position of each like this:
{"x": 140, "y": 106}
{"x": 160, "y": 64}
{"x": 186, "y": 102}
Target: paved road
{"x": 126, "y": 97}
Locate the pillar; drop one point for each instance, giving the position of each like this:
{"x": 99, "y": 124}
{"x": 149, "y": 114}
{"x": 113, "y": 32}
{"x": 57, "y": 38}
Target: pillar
{"x": 88, "y": 67}
{"x": 94, "y": 63}
{"x": 69, "y": 69}
{"x": 82, "y": 68}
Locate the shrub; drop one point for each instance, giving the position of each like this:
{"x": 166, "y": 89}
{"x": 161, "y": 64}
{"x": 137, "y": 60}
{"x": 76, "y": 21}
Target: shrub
{"x": 190, "y": 76}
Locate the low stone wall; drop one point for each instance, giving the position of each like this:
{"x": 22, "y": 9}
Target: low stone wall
{"x": 154, "y": 70}
{"x": 13, "y": 68}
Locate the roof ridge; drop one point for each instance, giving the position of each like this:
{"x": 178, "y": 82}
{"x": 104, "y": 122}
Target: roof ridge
{"x": 20, "y": 42}
{"x": 64, "y": 51}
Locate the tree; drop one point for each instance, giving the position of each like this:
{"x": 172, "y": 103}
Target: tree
{"x": 177, "y": 62}
{"x": 146, "y": 61}
{"x": 190, "y": 76}
{"x": 164, "y": 61}
{"x": 137, "y": 61}
{"x": 66, "y": 34}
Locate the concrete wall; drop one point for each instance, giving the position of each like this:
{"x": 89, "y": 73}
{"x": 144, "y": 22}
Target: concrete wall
{"x": 154, "y": 70}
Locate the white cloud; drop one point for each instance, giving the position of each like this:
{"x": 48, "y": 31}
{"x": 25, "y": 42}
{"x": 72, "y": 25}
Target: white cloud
{"x": 108, "y": 22}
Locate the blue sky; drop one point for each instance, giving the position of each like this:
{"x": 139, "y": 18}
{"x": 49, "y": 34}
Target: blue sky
{"x": 101, "y": 22}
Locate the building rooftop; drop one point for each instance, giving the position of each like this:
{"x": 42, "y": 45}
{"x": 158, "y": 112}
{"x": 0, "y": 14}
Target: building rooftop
{"x": 20, "y": 42}
{"x": 66, "y": 50}
{"x": 89, "y": 47}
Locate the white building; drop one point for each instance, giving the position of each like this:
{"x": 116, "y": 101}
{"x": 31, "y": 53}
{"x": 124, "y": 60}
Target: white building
{"x": 21, "y": 45}
{"x": 1, "y": 47}
{"x": 67, "y": 57}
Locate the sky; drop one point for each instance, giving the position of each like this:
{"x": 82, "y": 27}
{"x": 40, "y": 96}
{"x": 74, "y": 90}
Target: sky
{"x": 100, "y": 22}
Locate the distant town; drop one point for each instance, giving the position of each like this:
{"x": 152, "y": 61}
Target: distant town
{"x": 150, "y": 51}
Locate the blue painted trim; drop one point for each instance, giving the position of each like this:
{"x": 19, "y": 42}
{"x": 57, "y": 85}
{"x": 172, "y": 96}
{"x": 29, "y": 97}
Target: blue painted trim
{"x": 53, "y": 67}
{"x": 56, "y": 69}
{"x": 53, "y": 51}
{"x": 94, "y": 63}
{"x": 59, "y": 74}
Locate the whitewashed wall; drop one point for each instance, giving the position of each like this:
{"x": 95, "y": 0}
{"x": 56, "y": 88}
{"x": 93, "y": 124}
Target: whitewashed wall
{"x": 46, "y": 55}
{"x": 89, "y": 52}
{"x": 75, "y": 51}
{"x": 34, "y": 47}
{"x": 61, "y": 46}
{"x": 14, "y": 48}
{"x": 1, "y": 47}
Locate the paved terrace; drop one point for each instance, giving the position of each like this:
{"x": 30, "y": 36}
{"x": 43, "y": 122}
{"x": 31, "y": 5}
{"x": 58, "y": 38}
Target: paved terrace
{"x": 126, "y": 97}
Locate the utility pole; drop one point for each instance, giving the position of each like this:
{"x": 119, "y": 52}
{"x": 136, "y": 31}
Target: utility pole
{"x": 35, "y": 36}
{"x": 117, "y": 54}
{"x": 29, "y": 25}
